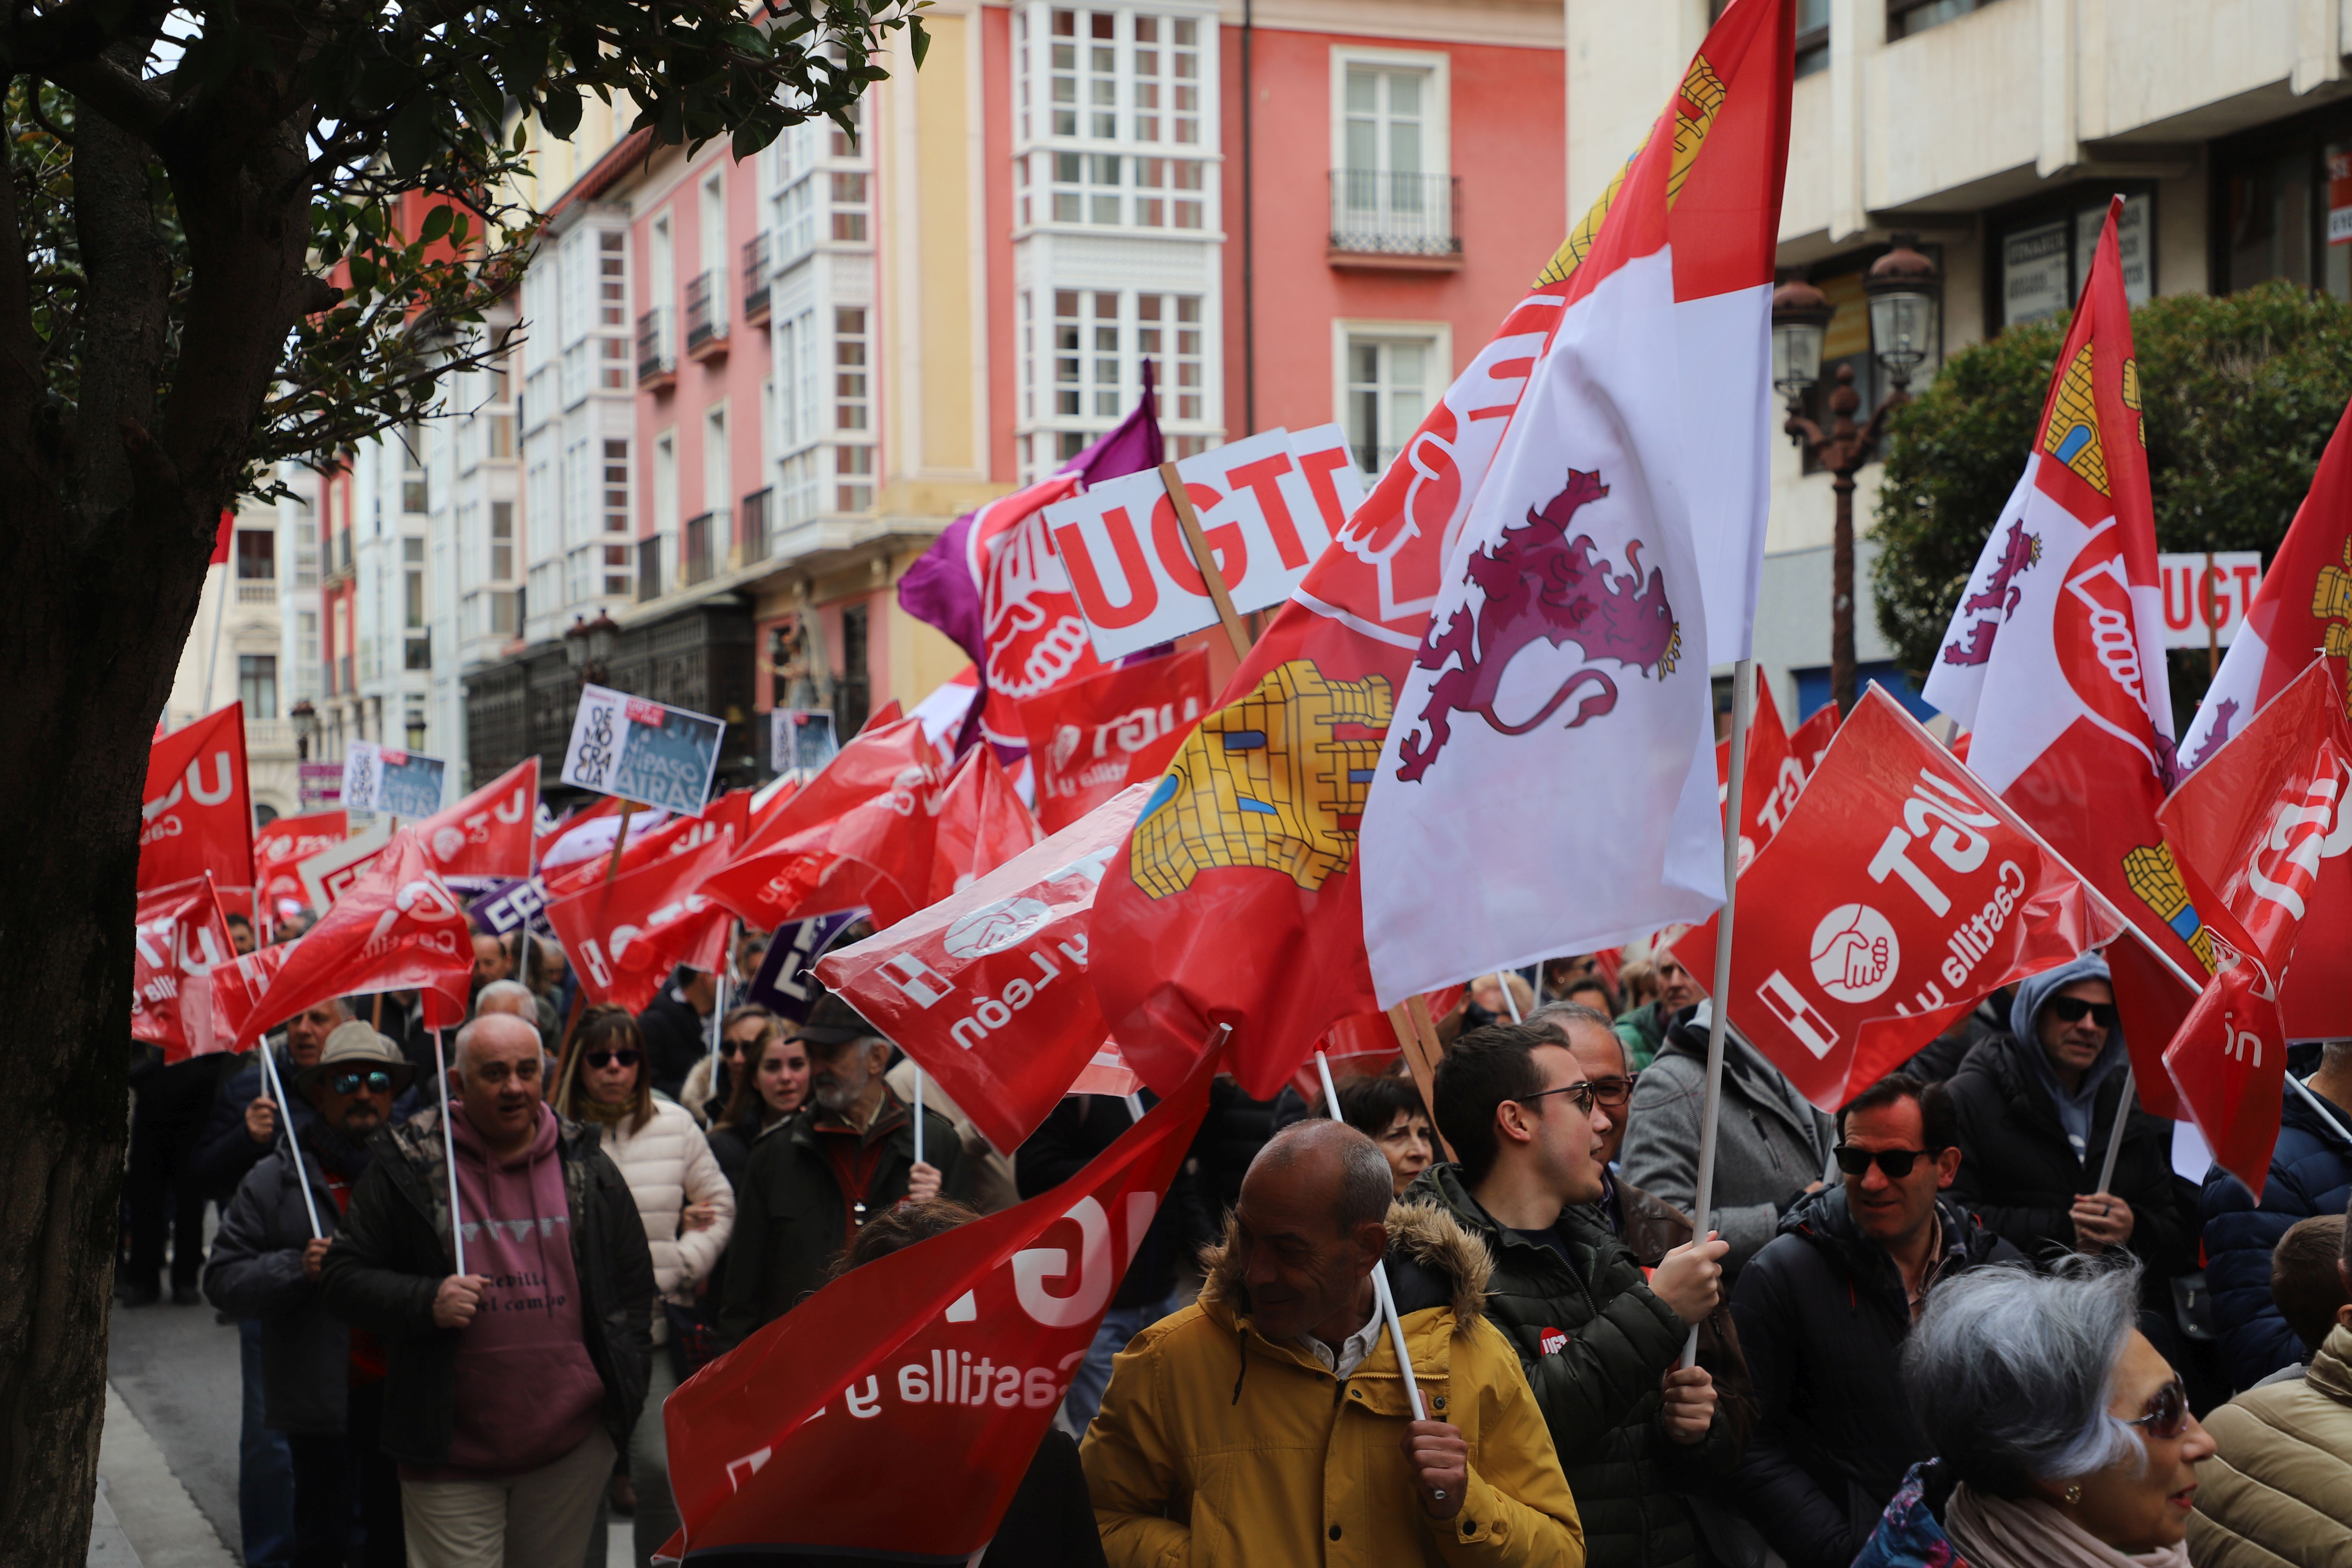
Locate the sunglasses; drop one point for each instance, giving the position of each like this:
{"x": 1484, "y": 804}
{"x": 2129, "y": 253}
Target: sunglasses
{"x": 2074, "y": 1009}
{"x": 603, "y": 1059}
{"x": 735, "y": 1047}
{"x": 1896, "y": 1162}
{"x": 1584, "y": 1094}
{"x": 378, "y": 1082}
{"x": 2168, "y": 1412}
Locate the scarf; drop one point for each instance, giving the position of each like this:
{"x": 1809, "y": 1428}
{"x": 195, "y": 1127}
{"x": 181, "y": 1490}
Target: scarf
{"x": 587, "y": 1108}
{"x": 1996, "y": 1533}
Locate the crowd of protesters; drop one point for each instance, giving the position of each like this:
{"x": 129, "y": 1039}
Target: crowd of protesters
{"x": 1921, "y": 1332}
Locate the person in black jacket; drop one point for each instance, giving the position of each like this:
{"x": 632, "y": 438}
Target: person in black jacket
{"x": 676, "y": 1027}
{"x": 1823, "y": 1314}
{"x": 2036, "y": 1107}
{"x": 160, "y": 1188}
{"x": 245, "y": 1114}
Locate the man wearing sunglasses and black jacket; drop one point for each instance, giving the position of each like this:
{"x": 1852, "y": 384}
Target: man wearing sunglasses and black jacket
{"x": 1823, "y": 1311}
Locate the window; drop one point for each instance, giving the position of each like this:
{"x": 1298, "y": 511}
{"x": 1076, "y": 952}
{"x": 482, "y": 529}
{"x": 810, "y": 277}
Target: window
{"x": 412, "y": 556}
{"x": 612, "y": 279}
{"x": 1168, "y": 192}
{"x": 256, "y": 684}
{"x": 796, "y": 487}
{"x": 502, "y": 551}
{"x": 849, "y": 207}
{"x": 849, "y": 383}
{"x": 257, "y": 555}
{"x": 1390, "y": 189}
{"x": 1090, "y": 368}
{"x": 616, "y": 486}
{"x": 1390, "y": 377}
{"x": 1085, "y": 352}
{"x": 1086, "y": 187}
{"x": 798, "y": 400}
{"x": 1159, "y": 63}
{"x": 853, "y": 464}
{"x": 413, "y": 490}
{"x": 1167, "y": 86}
{"x": 505, "y": 615}
{"x": 2045, "y": 260}
{"x": 617, "y": 574}
{"x": 1812, "y": 32}
{"x": 795, "y": 222}
{"x": 1168, "y": 334}
{"x": 1904, "y": 17}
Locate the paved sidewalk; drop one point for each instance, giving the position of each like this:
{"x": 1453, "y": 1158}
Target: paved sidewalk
{"x": 154, "y": 1522}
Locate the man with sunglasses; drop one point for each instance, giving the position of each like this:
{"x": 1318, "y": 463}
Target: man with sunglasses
{"x": 1599, "y": 1343}
{"x": 321, "y": 1382}
{"x": 2035, "y": 1109}
{"x": 1823, "y": 1312}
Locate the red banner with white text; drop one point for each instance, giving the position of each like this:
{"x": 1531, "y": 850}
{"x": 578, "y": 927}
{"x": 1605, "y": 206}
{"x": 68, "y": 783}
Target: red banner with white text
{"x": 196, "y": 814}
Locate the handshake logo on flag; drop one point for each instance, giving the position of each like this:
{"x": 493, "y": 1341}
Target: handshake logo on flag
{"x": 1855, "y": 953}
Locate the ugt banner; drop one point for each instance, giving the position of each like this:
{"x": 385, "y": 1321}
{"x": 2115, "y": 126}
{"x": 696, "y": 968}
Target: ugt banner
{"x": 197, "y": 813}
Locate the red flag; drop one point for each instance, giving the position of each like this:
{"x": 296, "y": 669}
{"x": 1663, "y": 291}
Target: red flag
{"x": 678, "y": 835}
{"x": 1899, "y": 891}
{"x": 1812, "y": 739}
{"x": 488, "y": 833}
{"x": 945, "y": 1360}
{"x": 396, "y": 929}
{"x": 198, "y": 812}
{"x": 180, "y": 940}
{"x": 283, "y": 846}
{"x": 627, "y": 934}
{"x": 223, "y": 537}
{"x": 2265, "y": 822}
{"x": 859, "y": 833}
{"x": 1090, "y": 739}
{"x": 980, "y": 825}
{"x": 989, "y": 990}
{"x": 1775, "y": 775}
{"x": 237, "y": 986}
{"x": 2229, "y": 1060}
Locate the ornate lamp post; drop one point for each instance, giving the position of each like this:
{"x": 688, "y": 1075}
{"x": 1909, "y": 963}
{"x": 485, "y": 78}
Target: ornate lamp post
{"x": 1905, "y": 289}
{"x": 587, "y": 645}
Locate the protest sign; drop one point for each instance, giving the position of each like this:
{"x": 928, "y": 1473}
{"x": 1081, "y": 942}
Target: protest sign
{"x": 1268, "y": 505}
{"x": 319, "y": 785}
{"x": 782, "y": 986}
{"x": 510, "y": 906}
{"x": 801, "y": 738}
{"x": 641, "y": 751}
{"x": 395, "y": 782}
{"x": 2206, "y": 595}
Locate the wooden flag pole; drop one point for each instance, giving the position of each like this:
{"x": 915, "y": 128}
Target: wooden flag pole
{"x": 1424, "y": 1073}
{"x": 613, "y": 865}
{"x": 1743, "y": 703}
{"x": 1205, "y": 558}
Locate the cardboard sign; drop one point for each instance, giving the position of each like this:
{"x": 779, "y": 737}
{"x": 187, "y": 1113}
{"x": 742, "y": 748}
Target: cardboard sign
{"x": 2202, "y": 590}
{"x": 801, "y": 738}
{"x": 1267, "y": 505}
{"x": 641, "y": 751}
{"x": 395, "y": 782}
{"x": 319, "y": 785}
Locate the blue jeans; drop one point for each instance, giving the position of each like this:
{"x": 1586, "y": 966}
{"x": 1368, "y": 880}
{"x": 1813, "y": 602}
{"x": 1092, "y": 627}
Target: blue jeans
{"x": 1088, "y": 1382}
{"x": 265, "y": 1470}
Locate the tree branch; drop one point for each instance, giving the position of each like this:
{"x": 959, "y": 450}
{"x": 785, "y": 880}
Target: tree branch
{"x": 125, "y": 314}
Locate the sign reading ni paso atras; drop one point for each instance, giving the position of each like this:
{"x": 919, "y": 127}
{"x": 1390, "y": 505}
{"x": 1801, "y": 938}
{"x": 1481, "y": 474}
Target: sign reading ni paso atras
{"x": 641, "y": 751}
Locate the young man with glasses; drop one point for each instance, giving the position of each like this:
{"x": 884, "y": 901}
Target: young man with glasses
{"x": 321, "y": 1382}
{"x": 1823, "y": 1311}
{"x": 1599, "y": 1344}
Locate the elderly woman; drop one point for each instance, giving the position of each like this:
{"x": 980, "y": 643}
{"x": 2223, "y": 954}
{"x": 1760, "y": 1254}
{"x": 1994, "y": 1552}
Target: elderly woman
{"x": 2062, "y": 1436}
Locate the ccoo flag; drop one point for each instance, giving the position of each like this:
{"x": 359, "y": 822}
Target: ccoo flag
{"x": 2055, "y": 664}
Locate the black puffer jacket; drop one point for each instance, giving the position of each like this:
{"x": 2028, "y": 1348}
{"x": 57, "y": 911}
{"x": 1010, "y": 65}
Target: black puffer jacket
{"x": 393, "y": 1251}
{"x": 254, "y": 1271}
{"x": 2020, "y": 1175}
{"x": 1823, "y": 1316}
{"x": 1594, "y": 1342}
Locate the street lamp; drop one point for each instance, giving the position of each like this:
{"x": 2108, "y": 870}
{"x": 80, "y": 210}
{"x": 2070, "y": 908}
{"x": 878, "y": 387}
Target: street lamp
{"x": 306, "y": 728}
{"x": 1905, "y": 290}
{"x": 587, "y": 645}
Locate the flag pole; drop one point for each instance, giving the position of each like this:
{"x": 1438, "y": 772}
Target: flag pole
{"x": 1204, "y": 558}
{"x": 1743, "y": 703}
{"x": 919, "y": 1111}
{"x": 449, "y": 1148}
{"x": 2115, "y": 1133}
{"x": 1381, "y": 1294}
{"x": 613, "y": 865}
{"x": 293, "y": 1150}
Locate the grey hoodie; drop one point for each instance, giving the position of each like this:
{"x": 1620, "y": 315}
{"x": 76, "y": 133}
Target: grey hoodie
{"x": 2073, "y": 1109}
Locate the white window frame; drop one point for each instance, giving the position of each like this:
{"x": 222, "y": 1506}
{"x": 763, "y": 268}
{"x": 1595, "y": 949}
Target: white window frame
{"x": 1437, "y": 117}
{"x": 1439, "y": 335}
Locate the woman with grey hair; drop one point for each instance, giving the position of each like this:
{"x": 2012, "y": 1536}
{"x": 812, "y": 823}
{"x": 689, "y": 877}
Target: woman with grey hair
{"x": 2062, "y": 1437}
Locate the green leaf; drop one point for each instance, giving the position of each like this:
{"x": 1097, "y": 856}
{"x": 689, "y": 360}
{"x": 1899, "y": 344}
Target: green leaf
{"x": 561, "y": 112}
{"x": 437, "y": 224}
{"x": 919, "y": 40}
{"x": 412, "y": 138}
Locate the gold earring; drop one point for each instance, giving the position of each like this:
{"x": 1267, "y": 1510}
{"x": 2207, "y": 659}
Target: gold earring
{"x": 2073, "y": 1494}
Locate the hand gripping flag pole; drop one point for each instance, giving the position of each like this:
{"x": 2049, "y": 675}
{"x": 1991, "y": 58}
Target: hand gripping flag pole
{"x": 449, "y": 1152}
{"x": 1743, "y": 703}
{"x": 285, "y": 1125}
{"x": 1381, "y": 1294}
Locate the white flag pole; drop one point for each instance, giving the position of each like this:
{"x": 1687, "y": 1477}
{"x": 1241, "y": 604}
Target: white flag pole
{"x": 1743, "y": 702}
{"x": 1381, "y": 1296}
{"x": 919, "y": 1111}
{"x": 285, "y": 1125}
{"x": 2115, "y": 1133}
{"x": 1510, "y": 997}
{"x": 449, "y": 1149}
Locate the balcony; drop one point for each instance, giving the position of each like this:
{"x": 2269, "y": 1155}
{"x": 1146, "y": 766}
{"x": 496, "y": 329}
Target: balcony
{"x": 705, "y": 547}
{"x": 752, "y": 540}
{"x": 657, "y": 356}
{"x": 649, "y": 572}
{"x": 755, "y": 279}
{"x": 705, "y": 317}
{"x": 264, "y": 593}
{"x": 1409, "y": 223}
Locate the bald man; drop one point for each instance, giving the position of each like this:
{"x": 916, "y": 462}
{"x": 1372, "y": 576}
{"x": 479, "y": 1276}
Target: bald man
{"x": 512, "y": 1383}
{"x": 1268, "y": 1420}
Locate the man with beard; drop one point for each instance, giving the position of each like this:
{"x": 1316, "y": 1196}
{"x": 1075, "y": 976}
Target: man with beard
{"x": 321, "y": 1383}
{"x": 846, "y": 1156}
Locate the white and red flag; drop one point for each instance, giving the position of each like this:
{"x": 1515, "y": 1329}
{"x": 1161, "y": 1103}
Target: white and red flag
{"x": 2302, "y": 610}
{"x": 1809, "y": 742}
{"x": 180, "y": 939}
{"x": 626, "y": 934}
{"x": 1899, "y": 891}
{"x": 1090, "y": 739}
{"x": 945, "y": 1360}
{"x": 197, "y": 812}
{"x": 1256, "y": 826}
{"x": 396, "y": 929}
{"x": 2055, "y": 663}
{"x": 978, "y": 824}
{"x": 989, "y": 990}
{"x": 237, "y": 986}
{"x": 283, "y": 844}
{"x": 2228, "y": 1061}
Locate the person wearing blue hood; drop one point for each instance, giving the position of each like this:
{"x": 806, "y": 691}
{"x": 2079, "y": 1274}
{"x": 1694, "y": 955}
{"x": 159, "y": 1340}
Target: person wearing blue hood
{"x": 2036, "y": 1106}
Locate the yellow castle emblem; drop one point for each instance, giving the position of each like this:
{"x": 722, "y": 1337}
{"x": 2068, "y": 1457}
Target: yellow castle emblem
{"x": 2072, "y": 436}
{"x": 1695, "y": 110}
{"x": 1267, "y": 782}
{"x": 2331, "y": 601}
{"x": 2155, "y": 875}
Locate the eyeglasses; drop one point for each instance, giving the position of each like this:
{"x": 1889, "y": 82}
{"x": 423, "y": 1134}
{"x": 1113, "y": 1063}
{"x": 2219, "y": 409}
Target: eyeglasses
{"x": 1612, "y": 1092}
{"x": 377, "y": 1082}
{"x": 1896, "y": 1162}
{"x": 735, "y": 1047}
{"x": 1583, "y": 1093}
{"x": 2074, "y": 1009}
{"x": 603, "y": 1059}
{"x": 2168, "y": 1412}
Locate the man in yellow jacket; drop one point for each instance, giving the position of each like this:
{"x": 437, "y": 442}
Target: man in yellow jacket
{"x": 1267, "y": 1424}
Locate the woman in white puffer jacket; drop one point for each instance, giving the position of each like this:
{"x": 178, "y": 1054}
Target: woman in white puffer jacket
{"x": 688, "y": 1208}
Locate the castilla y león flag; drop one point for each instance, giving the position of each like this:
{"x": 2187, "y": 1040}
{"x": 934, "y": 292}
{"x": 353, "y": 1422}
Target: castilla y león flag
{"x": 625, "y": 936}
{"x": 397, "y": 928}
{"x": 988, "y": 990}
{"x": 1899, "y": 890}
{"x": 2055, "y": 663}
{"x": 944, "y": 1361}
{"x": 197, "y": 814}
{"x": 180, "y": 939}
{"x": 1241, "y": 897}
